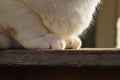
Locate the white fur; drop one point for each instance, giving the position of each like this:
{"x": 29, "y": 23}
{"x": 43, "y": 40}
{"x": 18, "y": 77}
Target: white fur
{"x": 47, "y": 24}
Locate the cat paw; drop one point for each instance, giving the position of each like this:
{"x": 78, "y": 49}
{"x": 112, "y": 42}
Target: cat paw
{"x": 55, "y": 42}
{"x": 49, "y": 41}
{"x": 73, "y": 43}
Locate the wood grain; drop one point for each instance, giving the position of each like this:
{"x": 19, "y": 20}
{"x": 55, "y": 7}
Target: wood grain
{"x": 77, "y": 58}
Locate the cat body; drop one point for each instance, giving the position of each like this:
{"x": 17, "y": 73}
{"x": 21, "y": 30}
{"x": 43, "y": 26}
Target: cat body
{"x": 46, "y": 24}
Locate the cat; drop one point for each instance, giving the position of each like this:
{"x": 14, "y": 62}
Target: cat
{"x": 44, "y": 24}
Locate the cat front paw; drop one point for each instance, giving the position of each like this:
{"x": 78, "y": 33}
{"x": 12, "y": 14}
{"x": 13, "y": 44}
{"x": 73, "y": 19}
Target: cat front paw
{"x": 49, "y": 41}
{"x": 55, "y": 42}
{"x": 73, "y": 43}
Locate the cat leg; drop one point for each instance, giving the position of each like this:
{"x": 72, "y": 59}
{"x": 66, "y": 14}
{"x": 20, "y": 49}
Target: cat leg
{"x": 48, "y": 41}
{"x": 73, "y": 43}
{"x": 22, "y": 23}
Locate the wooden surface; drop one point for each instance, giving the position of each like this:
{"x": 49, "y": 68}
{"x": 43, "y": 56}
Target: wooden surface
{"x": 77, "y": 58}
{"x": 83, "y": 64}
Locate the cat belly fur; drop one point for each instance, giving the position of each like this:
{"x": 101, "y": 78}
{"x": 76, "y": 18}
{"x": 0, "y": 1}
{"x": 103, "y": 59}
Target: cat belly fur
{"x": 64, "y": 17}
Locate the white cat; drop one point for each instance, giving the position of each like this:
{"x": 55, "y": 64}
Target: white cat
{"x": 45, "y": 24}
